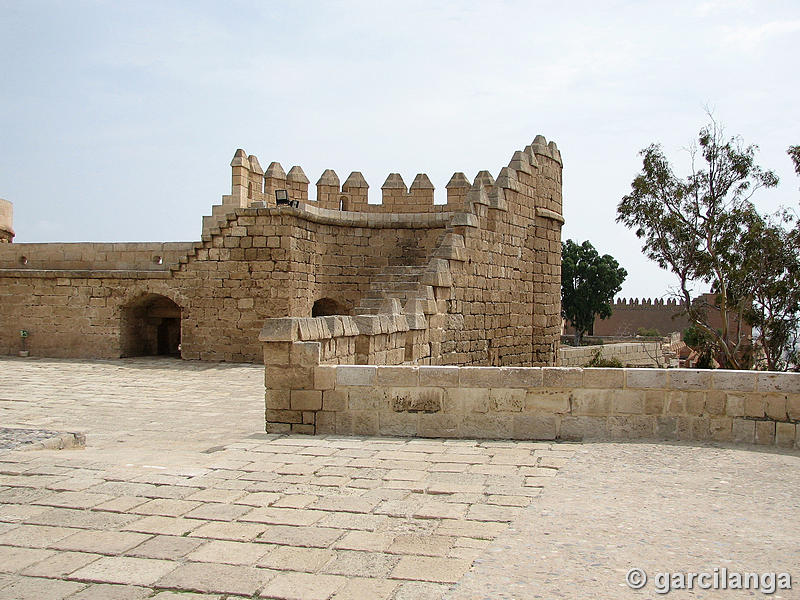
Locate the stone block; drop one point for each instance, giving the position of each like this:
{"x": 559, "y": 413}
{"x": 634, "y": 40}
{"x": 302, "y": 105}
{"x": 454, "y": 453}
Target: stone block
{"x": 276, "y": 353}
{"x": 397, "y": 376}
{"x": 279, "y": 428}
{"x": 288, "y": 378}
{"x": 675, "y": 403}
{"x": 700, "y": 428}
{"x": 592, "y": 402}
{"x": 631, "y": 427}
{"x": 364, "y": 422}
{"x": 721, "y": 429}
{"x": 646, "y": 378}
{"x": 419, "y": 399}
{"x": 437, "y": 376}
{"x": 755, "y": 405}
{"x": 603, "y": 378}
{"x": 325, "y": 422}
{"x": 366, "y": 398}
{"x": 765, "y": 432}
{"x": 743, "y": 431}
{"x": 583, "y": 428}
{"x": 489, "y": 425}
{"x": 481, "y": 377}
{"x": 788, "y": 383}
{"x": 785, "y": 434}
{"x": 776, "y": 406}
{"x": 523, "y": 377}
{"x": 689, "y": 379}
{"x": 695, "y": 403}
{"x": 466, "y": 400}
{"x": 284, "y": 416}
{"x": 547, "y": 401}
{"x": 654, "y": 402}
{"x": 562, "y": 377}
{"x": 535, "y": 427}
{"x": 715, "y": 403}
{"x": 325, "y": 377}
{"x": 355, "y": 375}
{"x": 277, "y": 399}
{"x": 305, "y": 354}
{"x": 666, "y": 427}
{"x": 734, "y": 381}
{"x": 506, "y": 400}
{"x": 793, "y": 406}
{"x": 628, "y": 402}
{"x": 334, "y": 400}
{"x": 734, "y": 405}
{"x": 399, "y": 424}
{"x": 438, "y": 425}
{"x": 284, "y": 329}
{"x": 305, "y": 400}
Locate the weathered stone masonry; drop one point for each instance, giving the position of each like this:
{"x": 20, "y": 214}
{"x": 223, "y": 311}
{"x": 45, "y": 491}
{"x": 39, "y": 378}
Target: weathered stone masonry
{"x": 304, "y": 395}
{"x": 475, "y": 281}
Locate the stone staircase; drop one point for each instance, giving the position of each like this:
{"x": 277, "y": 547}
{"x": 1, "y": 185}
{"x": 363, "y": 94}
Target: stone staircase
{"x": 400, "y": 282}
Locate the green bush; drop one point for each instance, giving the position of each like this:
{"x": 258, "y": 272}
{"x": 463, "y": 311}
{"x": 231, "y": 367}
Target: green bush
{"x": 645, "y": 332}
{"x": 599, "y": 361}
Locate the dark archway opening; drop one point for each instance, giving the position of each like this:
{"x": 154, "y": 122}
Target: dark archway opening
{"x": 151, "y": 326}
{"x": 325, "y": 307}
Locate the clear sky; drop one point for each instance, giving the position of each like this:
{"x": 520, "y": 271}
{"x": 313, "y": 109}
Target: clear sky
{"x": 118, "y": 120}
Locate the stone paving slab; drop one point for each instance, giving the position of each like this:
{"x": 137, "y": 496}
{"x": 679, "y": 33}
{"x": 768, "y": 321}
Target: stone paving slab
{"x": 663, "y": 508}
{"x": 178, "y": 491}
{"x": 179, "y": 495}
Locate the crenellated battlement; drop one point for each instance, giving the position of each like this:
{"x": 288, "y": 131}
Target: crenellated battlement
{"x": 534, "y": 172}
{"x": 655, "y": 303}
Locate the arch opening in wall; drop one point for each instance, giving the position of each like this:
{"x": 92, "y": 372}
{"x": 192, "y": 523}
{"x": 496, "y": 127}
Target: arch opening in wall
{"x": 150, "y": 326}
{"x": 344, "y": 203}
{"x": 325, "y": 307}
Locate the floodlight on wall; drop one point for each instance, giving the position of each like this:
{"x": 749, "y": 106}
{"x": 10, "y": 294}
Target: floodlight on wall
{"x": 281, "y": 197}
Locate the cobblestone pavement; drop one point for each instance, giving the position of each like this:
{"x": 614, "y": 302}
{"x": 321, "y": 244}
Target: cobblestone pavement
{"x": 178, "y": 495}
{"x": 177, "y": 490}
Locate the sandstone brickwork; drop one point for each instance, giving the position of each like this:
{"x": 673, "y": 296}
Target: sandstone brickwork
{"x": 6, "y": 221}
{"x": 548, "y": 403}
{"x": 471, "y": 282}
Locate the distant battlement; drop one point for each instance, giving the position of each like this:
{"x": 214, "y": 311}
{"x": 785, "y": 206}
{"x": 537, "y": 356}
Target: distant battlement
{"x": 654, "y": 303}
{"x": 6, "y": 221}
{"x": 251, "y": 185}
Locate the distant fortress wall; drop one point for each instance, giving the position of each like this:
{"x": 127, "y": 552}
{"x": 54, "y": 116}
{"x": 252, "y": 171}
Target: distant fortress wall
{"x": 630, "y": 314}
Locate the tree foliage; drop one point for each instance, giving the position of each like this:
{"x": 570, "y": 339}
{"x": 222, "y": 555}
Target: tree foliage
{"x": 706, "y": 230}
{"x": 588, "y": 285}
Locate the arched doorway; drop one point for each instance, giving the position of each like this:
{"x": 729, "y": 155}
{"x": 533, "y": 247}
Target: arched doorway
{"x": 325, "y": 307}
{"x": 151, "y": 326}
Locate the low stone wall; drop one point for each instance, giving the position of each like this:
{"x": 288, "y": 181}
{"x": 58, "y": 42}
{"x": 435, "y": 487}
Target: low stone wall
{"x": 137, "y": 256}
{"x": 629, "y": 354}
{"x": 549, "y": 403}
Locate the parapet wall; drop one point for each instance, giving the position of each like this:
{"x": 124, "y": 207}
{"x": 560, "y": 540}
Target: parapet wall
{"x": 631, "y": 354}
{"x": 6, "y": 221}
{"x": 549, "y": 403}
{"x": 123, "y": 256}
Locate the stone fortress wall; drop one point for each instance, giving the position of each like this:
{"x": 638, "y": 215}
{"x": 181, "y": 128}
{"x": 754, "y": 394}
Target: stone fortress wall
{"x": 475, "y": 281}
{"x": 306, "y": 395}
{"x": 6, "y": 221}
{"x": 628, "y": 315}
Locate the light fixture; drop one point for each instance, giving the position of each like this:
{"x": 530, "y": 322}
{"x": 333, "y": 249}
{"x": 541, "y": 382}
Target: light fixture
{"x": 281, "y": 197}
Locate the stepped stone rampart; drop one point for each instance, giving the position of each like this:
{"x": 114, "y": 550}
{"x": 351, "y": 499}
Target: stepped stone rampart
{"x": 471, "y": 282}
